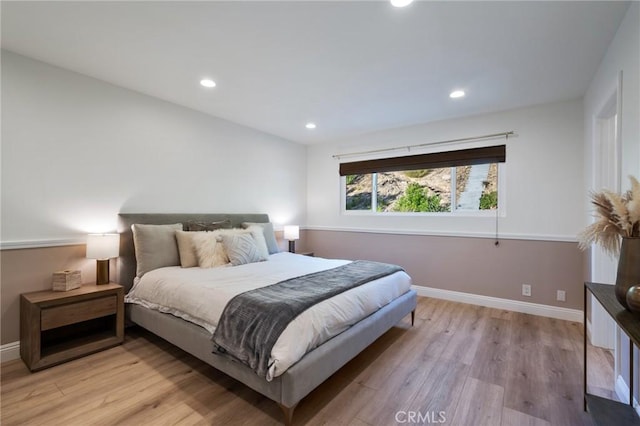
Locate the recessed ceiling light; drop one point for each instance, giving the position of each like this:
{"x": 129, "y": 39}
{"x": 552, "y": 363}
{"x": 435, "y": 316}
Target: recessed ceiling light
{"x": 208, "y": 82}
{"x": 457, "y": 94}
{"x": 401, "y": 3}
{"x": 310, "y": 125}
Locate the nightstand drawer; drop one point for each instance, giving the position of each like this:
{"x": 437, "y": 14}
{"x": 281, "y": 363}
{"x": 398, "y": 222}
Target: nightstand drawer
{"x": 59, "y": 316}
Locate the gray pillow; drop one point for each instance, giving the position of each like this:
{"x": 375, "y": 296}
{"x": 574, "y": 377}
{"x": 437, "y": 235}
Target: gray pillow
{"x": 269, "y": 235}
{"x": 193, "y": 226}
{"x": 241, "y": 249}
{"x": 155, "y": 246}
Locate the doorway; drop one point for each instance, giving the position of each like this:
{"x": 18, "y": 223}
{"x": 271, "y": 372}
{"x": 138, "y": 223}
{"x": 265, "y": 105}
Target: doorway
{"x": 606, "y": 166}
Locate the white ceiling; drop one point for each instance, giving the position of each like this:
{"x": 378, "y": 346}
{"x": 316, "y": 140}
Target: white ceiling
{"x": 351, "y": 67}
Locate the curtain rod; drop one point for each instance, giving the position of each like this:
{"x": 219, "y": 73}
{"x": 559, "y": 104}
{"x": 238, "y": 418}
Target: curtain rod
{"x": 409, "y": 147}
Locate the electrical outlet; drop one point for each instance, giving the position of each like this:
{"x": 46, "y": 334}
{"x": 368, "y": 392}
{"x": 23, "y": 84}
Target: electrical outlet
{"x": 526, "y": 290}
{"x": 561, "y": 296}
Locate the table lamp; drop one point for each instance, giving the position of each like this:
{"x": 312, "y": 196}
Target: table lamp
{"x": 103, "y": 247}
{"x": 292, "y": 233}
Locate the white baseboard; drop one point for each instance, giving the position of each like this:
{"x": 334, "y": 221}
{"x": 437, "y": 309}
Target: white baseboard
{"x": 622, "y": 391}
{"x": 498, "y": 303}
{"x": 10, "y": 351}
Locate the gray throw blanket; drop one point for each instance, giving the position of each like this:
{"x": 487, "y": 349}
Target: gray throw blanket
{"x": 252, "y": 322}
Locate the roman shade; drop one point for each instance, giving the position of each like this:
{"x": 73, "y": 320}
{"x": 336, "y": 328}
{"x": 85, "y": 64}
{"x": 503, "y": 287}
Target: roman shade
{"x": 463, "y": 157}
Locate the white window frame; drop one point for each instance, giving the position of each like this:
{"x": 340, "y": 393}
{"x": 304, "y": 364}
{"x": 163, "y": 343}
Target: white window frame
{"x": 501, "y": 211}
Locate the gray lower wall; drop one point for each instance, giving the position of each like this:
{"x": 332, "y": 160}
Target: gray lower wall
{"x": 26, "y": 270}
{"x": 469, "y": 265}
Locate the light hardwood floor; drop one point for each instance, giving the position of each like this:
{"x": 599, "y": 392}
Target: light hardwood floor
{"x": 464, "y": 364}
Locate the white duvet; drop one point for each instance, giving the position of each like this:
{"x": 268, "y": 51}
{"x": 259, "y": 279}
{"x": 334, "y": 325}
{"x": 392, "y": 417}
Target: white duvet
{"x": 199, "y": 295}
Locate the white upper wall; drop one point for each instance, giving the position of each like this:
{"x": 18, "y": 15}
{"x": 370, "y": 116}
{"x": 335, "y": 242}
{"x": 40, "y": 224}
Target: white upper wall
{"x": 544, "y": 174}
{"x": 622, "y": 55}
{"x": 76, "y": 151}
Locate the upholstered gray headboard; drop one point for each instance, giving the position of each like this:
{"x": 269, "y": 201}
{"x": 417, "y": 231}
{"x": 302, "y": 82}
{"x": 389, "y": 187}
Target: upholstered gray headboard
{"x": 127, "y": 260}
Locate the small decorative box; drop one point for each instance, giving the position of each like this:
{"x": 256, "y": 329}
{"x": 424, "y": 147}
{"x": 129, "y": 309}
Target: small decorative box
{"x": 66, "y": 280}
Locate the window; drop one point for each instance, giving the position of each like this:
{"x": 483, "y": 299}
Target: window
{"x": 359, "y": 192}
{"x": 468, "y": 182}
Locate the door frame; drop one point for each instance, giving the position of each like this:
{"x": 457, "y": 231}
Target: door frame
{"x": 604, "y": 332}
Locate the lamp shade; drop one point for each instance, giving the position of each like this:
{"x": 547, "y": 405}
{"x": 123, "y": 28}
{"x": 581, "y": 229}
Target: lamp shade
{"x": 103, "y": 246}
{"x": 401, "y": 3}
{"x": 291, "y": 232}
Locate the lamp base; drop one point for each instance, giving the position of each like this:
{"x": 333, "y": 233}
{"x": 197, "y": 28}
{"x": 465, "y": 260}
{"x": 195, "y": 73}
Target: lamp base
{"x": 292, "y": 246}
{"x": 102, "y": 271}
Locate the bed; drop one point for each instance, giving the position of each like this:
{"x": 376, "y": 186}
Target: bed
{"x": 287, "y": 387}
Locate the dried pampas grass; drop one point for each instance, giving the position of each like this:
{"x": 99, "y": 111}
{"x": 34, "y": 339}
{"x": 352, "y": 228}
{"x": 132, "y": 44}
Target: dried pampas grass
{"x": 616, "y": 215}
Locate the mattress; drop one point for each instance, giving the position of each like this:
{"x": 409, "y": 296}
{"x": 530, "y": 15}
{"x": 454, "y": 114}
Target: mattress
{"x": 199, "y": 295}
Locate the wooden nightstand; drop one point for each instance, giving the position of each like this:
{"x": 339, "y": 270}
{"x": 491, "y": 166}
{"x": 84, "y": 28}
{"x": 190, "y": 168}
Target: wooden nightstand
{"x": 58, "y": 326}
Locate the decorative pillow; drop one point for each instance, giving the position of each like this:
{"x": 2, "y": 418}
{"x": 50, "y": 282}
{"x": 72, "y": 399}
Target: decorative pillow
{"x": 258, "y": 235}
{"x": 242, "y": 248}
{"x": 209, "y": 249}
{"x": 155, "y": 246}
{"x": 269, "y": 235}
{"x": 192, "y": 226}
{"x": 187, "y": 248}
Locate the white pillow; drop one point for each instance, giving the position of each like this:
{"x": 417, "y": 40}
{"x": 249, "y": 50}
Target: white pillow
{"x": 258, "y": 235}
{"x": 242, "y": 248}
{"x": 269, "y": 235}
{"x": 155, "y": 246}
{"x": 209, "y": 249}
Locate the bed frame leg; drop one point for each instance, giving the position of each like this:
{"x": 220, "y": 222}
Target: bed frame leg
{"x": 413, "y": 317}
{"x": 288, "y": 414}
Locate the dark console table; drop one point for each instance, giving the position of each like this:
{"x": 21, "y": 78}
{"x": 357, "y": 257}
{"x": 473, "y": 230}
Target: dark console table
{"x": 605, "y": 411}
